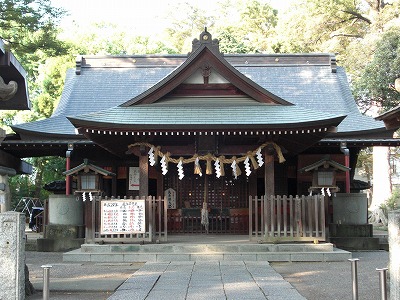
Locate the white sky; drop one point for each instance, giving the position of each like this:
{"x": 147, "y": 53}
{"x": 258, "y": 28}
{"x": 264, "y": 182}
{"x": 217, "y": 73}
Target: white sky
{"x": 143, "y": 16}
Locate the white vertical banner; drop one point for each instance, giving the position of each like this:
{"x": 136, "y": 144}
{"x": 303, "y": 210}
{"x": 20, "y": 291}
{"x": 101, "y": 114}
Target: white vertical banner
{"x": 170, "y": 194}
{"x": 134, "y": 178}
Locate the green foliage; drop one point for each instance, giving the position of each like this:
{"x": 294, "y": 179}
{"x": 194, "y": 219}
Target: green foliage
{"x": 392, "y": 203}
{"x": 373, "y": 87}
{"x": 231, "y": 42}
{"x": 365, "y": 163}
{"x": 46, "y": 169}
{"x": 29, "y": 28}
{"x": 184, "y": 26}
{"x": 20, "y": 186}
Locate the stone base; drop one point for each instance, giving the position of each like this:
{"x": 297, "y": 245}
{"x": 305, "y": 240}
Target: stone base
{"x": 58, "y": 245}
{"x": 356, "y": 243}
{"x": 353, "y": 237}
{"x": 347, "y": 230}
{"x": 57, "y": 231}
{"x": 61, "y": 238}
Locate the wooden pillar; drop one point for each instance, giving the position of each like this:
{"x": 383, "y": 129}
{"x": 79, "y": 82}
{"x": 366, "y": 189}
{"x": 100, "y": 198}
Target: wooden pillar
{"x": 143, "y": 175}
{"x": 160, "y": 185}
{"x": 253, "y": 184}
{"x": 269, "y": 175}
{"x": 114, "y": 181}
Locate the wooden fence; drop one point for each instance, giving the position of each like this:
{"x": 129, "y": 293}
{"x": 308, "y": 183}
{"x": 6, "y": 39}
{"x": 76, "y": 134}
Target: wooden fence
{"x": 287, "y": 218}
{"x": 180, "y": 222}
{"x": 155, "y": 222}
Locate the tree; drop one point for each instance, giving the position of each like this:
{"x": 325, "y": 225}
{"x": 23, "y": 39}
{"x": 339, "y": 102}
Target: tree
{"x": 184, "y": 26}
{"x": 110, "y": 39}
{"x": 246, "y": 26}
{"x": 373, "y": 88}
{"x": 29, "y": 28}
{"x": 342, "y": 27}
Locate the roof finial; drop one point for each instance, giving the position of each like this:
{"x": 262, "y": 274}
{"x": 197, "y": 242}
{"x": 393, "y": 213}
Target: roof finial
{"x": 205, "y": 38}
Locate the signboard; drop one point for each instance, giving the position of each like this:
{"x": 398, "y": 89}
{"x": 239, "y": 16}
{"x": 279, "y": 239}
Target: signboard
{"x": 170, "y": 194}
{"x": 134, "y": 178}
{"x": 122, "y": 216}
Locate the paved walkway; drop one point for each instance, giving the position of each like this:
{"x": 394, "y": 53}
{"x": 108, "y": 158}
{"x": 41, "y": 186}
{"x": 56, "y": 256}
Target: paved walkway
{"x": 206, "y": 280}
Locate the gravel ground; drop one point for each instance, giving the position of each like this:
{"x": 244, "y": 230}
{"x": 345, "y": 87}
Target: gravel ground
{"x": 314, "y": 280}
{"x": 332, "y": 280}
{"x": 78, "y": 281}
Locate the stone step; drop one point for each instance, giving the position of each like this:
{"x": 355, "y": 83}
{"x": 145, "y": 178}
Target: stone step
{"x": 206, "y": 248}
{"x": 31, "y": 246}
{"x": 384, "y": 246}
{"x": 247, "y": 252}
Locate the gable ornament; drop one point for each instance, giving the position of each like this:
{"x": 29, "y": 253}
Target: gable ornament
{"x": 7, "y": 91}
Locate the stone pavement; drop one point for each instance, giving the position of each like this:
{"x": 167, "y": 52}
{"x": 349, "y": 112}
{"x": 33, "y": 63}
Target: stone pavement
{"x": 313, "y": 280}
{"x": 206, "y": 280}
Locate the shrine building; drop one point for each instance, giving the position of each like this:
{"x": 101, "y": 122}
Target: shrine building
{"x": 208, "y": 127}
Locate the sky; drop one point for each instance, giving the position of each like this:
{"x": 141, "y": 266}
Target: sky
{"x": 143, "y": 16}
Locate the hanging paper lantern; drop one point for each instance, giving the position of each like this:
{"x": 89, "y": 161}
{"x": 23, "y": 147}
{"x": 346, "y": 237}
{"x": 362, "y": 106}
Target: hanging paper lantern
{"x": 151, "y": 157}
{"x": 328, "y": 191}
{"x": 156, "y": 154}
{"x": 180, "y": 169}
{"x": 259, "y": 157}
{"x": 247, "y": 166}
{"x": 164, "y": 165}
{"x": 234, "y": 169}
{"x": 217, "y": 168}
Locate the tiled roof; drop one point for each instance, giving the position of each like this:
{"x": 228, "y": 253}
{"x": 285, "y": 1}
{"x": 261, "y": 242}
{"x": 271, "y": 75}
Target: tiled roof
{"x": 207, "y": 111}
{"x": 314, "y": 88}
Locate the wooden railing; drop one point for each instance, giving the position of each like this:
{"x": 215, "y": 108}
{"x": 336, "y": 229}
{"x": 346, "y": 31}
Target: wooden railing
{"x": 217, "y": 224}
{"x": 156, "y": 223}
{"x": 287, "y": 218}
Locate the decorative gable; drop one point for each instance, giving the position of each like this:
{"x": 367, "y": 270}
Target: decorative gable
{"x": 206, "y": 73}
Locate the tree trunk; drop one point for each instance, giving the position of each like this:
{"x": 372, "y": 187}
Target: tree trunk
{"x": 382, "y": 188}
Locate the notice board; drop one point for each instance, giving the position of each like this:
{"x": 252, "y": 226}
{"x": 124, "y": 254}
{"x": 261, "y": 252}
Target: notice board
{"x": 122, "y": 216}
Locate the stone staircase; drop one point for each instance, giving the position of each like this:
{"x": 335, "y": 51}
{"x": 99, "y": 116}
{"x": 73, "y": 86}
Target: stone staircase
{"x": 383, "y": 239}
{"x": 119, "y": 253}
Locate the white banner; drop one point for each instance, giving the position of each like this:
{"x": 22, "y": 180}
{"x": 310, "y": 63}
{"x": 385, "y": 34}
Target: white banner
{"x": 170, "y": 194}
{"x": 134, "y": 176}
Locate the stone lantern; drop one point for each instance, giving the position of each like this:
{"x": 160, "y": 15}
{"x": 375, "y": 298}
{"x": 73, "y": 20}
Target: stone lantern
{"x": 88, "y": 179}
{"x": 65, "y": 229}
{"x": 324, "y": 175}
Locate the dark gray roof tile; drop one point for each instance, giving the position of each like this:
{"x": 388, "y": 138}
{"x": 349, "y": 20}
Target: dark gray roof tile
{"x": 313, "y": 88}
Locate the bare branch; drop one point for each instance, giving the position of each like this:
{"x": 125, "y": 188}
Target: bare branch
{"x": 345, "y": 35}
{"x": 357, "y": 15}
